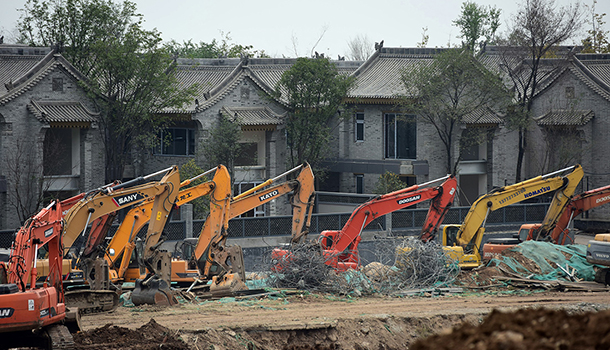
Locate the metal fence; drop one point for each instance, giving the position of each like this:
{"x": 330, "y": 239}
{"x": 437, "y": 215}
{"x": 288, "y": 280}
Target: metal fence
{"x": 282, "y": 225}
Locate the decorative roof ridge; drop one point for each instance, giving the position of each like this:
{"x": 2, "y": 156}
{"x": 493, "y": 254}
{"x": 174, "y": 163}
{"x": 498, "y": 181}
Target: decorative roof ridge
{"x": 38, "y": 72}
{"x": 366, "y": 65}
{"x": 221, "y": 89}
{"x": 20, "y": 57}
{"x": 414, "y": 51}
{"x": 214, "y": 62}
{"x": 40, "y": 103}
{"x": 228, "y": 79}
{"x": 585, "y": 116}
{"x": 592, "y": 56}
{"x": 587, "y": 72}
{"x": 549, "y": 81}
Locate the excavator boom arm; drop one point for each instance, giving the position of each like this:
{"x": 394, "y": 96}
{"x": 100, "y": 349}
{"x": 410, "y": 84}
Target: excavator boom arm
{"x": 382, "y": 205}
{"x": 505, "y": 196}
{"x": 109, "y": 200}
{"x": 579, "y": 204}
{"x": 559, "y": 204}
{"x": 137, "y": 217}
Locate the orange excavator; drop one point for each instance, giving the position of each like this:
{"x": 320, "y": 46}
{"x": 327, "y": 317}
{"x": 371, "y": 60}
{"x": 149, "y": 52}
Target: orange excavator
{"x": 340, "y": 248}
{"x": 100, "y": 205}
{"x": 122, "y": 245}
{"x": 222, "y": 264}
{"x": 36, "y": 315}
{"x": 578, "y": 204}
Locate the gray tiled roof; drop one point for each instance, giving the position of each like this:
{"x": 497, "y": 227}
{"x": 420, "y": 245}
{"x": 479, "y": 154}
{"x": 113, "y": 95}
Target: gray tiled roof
{"x": 565, "y": 118}
{"x": 594, "y": 71}
{"x": 216, "y": 77}
{"x": 380, "y": 76}
{"x": 36, "y": 72}
{"x": 14, "y": 67}
{"x": 482, "y": 116}
{"x": 61, "y": 112}
{"x": 206, "y": 73}
{"x": 253, "y": 115}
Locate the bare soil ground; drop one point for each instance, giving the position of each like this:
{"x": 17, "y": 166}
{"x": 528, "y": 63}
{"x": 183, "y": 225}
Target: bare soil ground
{"x": 313, "y": 321}
{"x": 489, "y": 313}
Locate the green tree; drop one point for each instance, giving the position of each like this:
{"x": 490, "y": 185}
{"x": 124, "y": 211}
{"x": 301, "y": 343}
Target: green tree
{"x": 129, "y": 73}
{"x": 314, "y": 93}
{"x": 223, "y": 147}
{"x": 215, "y": 49}
{"x": 536, "y": 32}
{"x": 388, "y": 182}
{"x": 477, "y": 23}
{"x": 596, "y": 40}
{"x": 452, "y": 87}
{"x": 201, "y": 206}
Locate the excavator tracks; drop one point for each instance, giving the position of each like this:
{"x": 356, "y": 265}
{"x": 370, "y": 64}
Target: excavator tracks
{"x": 92, "y": 301}
{"x": 60, "y": 337}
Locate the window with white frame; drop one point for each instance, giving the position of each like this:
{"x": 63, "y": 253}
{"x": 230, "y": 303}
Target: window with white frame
{"x": 242, "y": 187}
{"x": 176, "y": 142}
{"x": 359, "y": 127}
{"x": 400, "y": 132}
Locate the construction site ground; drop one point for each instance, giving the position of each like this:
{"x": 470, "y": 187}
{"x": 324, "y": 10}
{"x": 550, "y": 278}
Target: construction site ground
{"x": 312, "y": 321}
{"x": 482, "y": 312}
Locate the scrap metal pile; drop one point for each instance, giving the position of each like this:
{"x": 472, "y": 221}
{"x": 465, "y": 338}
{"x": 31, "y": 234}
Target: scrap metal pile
{"x": 401, "y": 264}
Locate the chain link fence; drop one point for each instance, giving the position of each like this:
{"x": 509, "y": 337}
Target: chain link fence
{"x": 282, "y": 225}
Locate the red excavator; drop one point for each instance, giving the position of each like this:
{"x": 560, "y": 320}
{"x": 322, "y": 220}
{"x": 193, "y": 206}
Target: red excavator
{"x": 35, "y": 315}
{"x": 340, "y": 248}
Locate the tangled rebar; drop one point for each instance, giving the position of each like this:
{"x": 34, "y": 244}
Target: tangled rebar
{"x": 396, "y": 264}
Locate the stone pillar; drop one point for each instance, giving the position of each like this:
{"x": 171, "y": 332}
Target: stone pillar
{"x": 388, "y": 224}
{"x": 186, "y": 215}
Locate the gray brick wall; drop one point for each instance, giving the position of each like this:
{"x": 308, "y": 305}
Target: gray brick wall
{"x": 22, "y": 127}
{"x": 595, "y": 143}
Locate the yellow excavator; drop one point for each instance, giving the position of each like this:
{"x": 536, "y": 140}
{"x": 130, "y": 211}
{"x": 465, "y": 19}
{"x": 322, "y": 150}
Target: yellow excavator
{"x": 100, "y": 203}
{"x": 462, "y": 242}
{"x": 222, "y": 264}
{"x": 551, "y": 228}
{"x": 119, "y": 253}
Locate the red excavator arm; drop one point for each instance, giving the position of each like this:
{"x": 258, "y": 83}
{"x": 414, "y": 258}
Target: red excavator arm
{"x": 579, "y": 204}
{"x": 340, "y": 248}
{"x": 35, "y": 307}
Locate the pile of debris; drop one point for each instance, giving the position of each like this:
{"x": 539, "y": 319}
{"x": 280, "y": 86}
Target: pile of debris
{"x": 534, "y": 264}
{"x": 415, "y": 265}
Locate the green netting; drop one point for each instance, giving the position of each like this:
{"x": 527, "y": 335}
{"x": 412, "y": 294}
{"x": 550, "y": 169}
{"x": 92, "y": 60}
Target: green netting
{"x": 257, "y": 283}
{"x": 547, "y": 256}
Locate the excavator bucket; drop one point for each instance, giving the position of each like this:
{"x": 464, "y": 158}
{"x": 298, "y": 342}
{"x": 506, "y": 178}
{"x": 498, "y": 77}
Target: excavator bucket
{"x": 153, "y": 291}
{"x": 72, "y": 320}
{"x": 227, "y": 285}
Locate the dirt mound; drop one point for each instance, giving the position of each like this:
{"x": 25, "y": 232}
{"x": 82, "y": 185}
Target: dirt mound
{"x": 527, "y": 329}
{"x": 150, "y": 336}
{"x": 389, "y": 333}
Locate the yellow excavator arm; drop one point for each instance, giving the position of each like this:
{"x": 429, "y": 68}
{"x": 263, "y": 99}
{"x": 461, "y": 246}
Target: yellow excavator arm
{"x": 462, "y": 242}
{"x": 218, "y": 262}
{"x": 558, "y": 205}
{"x": 122, "y": 244}
{"x": 111, "y": 199}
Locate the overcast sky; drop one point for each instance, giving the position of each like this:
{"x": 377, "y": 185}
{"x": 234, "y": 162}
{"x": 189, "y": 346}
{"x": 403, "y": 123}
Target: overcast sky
{"x": 289, "y": 28}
